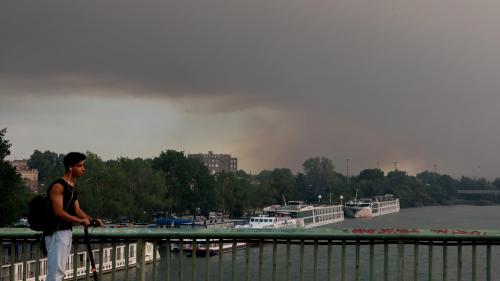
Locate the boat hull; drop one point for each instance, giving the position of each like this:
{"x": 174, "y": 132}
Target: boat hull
{"x": 357, "y": 213}
{"x": 368, "y": 209}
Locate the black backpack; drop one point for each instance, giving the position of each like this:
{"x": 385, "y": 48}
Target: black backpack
{"x": 40, "y": 213}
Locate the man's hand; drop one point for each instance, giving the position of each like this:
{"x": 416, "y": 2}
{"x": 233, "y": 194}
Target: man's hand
{"x": 99, "y": 223}
{"x": 85, "y": 222}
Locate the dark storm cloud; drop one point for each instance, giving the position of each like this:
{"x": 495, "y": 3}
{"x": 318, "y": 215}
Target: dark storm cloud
{"x": 420, "y": 77}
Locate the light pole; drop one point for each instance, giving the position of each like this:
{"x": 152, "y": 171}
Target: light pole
{"x": 435, "y": 173}
{"x": 347, "y": 172}
{"x": 341, "y": 198}
{"x": 319, "y": 198}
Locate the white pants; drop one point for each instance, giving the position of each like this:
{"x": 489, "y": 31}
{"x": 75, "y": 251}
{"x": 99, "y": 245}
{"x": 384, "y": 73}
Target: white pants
{"x": 58, "y": 249}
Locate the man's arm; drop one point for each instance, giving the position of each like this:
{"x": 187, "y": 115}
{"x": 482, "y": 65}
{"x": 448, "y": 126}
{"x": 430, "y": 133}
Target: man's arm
{"x": 57, "y": 199}
{"x": 81, "y": 214}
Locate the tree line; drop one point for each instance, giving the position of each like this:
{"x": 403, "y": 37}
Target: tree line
{"x": 134, "y": 189}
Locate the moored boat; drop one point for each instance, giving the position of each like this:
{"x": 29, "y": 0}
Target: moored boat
{"x": 371, "y": 207}
{"x": 214, "y": 247}
{"x": 280, "y": 220}
{"x": 308, "y": 215}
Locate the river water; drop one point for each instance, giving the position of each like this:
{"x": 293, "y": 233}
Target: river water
{"x": 441, "y": 217}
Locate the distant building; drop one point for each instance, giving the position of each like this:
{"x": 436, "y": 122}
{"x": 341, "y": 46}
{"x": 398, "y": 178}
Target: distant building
{"x": 217, "y": 163}
{"x": 30, "y": 176}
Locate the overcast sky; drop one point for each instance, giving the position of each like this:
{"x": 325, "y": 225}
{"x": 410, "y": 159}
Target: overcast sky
{"x": 270, "y": 82}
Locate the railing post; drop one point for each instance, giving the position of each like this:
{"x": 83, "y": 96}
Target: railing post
{"x": 37, "y": 246}
{"x": 315, "y": 260}
{"x": 474, "y": 263}
{"x": 207, "y": 258}
{"x": 261, "y": 257}
{"x": 12, "y": 259}
{"x": 342, "y": 263}
{"x": 101, "y": 259}
{"x": 127, "y": 256}
{"x": 113, "y": 260}
{"x": 329, "y": 261}
{"x": 372, "y": 257}
{"x": 247, "y": 260}
{"x": 459, "y": 261}
{"x": 221, "y": 251}
{"x": 386, "y": 260}
{"x": 181, "y": 260}
{"x": 445, "y": 261}
{"x": 233, "y": 261}
{"x": 25, "y": 260}
{"x": 415, "y": 261}
{"x": 75, "y": 255}
{"x": 168, "y": 248}
{"x": 488, "y": 261}
{"x": 1, "y": 262}
{"x": 429, "y": 260}
{"x": 288, "y": 260}
{"x": 275, "y": 250}
{"x": 193, "y": 259}
{"x": 140, "y": 262}
{"x": 155, "y": 249}
{"x": 401, "y": 261}
{"x": 301, "y": 260}
{"x": 357, "y": 261}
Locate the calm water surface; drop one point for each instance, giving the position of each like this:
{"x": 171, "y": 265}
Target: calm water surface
{"x": 460, "y": 216}
{"x": 452, "y": 217}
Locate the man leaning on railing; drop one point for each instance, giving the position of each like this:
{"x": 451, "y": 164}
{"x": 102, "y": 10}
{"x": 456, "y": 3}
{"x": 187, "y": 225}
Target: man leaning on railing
{"x": 66, "y": 211}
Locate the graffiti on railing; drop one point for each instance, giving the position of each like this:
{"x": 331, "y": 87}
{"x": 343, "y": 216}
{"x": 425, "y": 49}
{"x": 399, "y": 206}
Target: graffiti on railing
{"x": 456, "y": 232}
{"x": 411, "y": 231}
{"x": 383, "y": 231}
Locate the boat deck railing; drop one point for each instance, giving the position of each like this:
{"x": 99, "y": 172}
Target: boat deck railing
{"x": 280, "y": 254}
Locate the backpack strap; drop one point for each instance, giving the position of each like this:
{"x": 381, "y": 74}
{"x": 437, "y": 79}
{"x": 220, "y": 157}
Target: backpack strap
{"x": 65, "y": 185}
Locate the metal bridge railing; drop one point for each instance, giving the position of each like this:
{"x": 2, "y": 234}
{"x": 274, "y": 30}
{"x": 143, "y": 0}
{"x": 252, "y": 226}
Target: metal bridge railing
{"x": 250, "y": 254}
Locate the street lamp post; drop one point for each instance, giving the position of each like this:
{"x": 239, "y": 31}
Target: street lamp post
{"x": 347, "y": 171}
{"x": 319, "y": 198}
{"x": 341, "y": 198}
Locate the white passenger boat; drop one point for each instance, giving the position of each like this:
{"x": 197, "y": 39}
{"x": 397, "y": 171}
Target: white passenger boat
{"x": 214, "y": 247}
{"x": 371, "y": 207}
{"x": 308, "y": 215}
{"x": 201, "y": 246}
{"x": 281, "y": 220}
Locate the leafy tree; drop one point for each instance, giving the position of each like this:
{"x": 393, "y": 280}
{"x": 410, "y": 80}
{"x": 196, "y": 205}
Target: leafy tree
{"x": 49, "y": 164}
{"x": 122, "y": 189}
{"x": 145, "y": 187}
{"x": 496, "y": 183}
{"x": 15, "y": 195}
{"x": 188, "y": 181}
{"x": 371, "y": 175}
{"x": 276, "y": 184}
{"x": 231, "y": 193}
{"x": 320, "y": 174}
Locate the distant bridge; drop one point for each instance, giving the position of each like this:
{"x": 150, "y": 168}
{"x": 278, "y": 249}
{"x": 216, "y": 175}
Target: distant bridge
{"x": 479, "y": 191}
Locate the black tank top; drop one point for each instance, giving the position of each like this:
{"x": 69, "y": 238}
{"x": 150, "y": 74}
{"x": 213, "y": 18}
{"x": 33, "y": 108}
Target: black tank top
{"x": 70, "y": 195}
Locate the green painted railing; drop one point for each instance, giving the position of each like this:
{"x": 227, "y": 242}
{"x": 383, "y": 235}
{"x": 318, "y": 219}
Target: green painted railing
{"x": 251, "y": 254}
